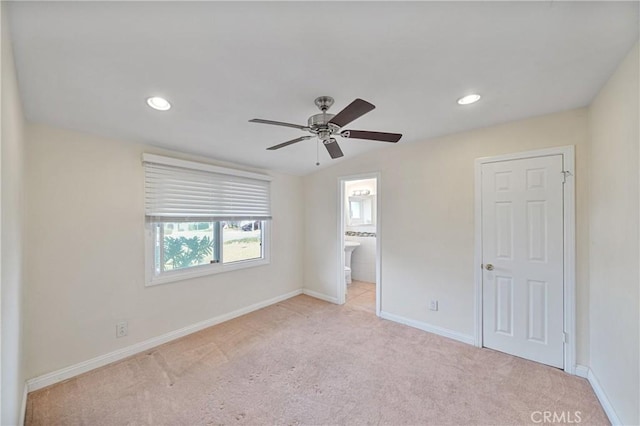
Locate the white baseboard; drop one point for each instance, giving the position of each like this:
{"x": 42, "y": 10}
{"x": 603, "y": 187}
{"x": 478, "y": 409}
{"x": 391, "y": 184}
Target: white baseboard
{"x": 602, "y": 397}
{"x": 320, "y": 296}
{"x": 587, "y": 373}
{"x": 23, "y": 407}
{"x": 464, "y": 338}
{"x": 582, "y": 371}
{"x": 82, "y": 367}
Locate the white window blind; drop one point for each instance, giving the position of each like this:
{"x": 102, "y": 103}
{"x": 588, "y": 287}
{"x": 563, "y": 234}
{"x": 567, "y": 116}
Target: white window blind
{"x": 185, "y": 191}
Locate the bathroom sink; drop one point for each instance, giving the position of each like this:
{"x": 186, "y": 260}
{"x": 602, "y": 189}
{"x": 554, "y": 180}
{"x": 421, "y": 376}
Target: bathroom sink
{"x": 350, "y": 245}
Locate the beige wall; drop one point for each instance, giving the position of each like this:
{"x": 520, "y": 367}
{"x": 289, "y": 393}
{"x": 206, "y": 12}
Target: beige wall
{"x": 85, "y": 238}
{"x": 614, "y": 268}
{"x": 11, "y": 290}
{"x": 427, "y": 218}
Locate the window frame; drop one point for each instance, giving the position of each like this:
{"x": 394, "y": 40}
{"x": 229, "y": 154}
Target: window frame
{"x": 152, "y": 279}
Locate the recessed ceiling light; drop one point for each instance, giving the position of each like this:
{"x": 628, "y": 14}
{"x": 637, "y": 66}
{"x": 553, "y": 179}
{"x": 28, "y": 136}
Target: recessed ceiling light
{"x": 156, "y": 102}
{"x": 469, "y": 99}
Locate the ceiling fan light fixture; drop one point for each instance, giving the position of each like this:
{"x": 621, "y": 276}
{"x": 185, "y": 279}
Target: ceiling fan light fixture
{"x": 158, "y": 103}
{"x": 469, "y": 99}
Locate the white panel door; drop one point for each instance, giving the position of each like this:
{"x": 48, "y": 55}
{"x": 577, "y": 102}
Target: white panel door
{"x": 522, "y": 251}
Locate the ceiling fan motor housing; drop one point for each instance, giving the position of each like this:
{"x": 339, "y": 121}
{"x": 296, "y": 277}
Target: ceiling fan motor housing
{"x": 319, "y": 121}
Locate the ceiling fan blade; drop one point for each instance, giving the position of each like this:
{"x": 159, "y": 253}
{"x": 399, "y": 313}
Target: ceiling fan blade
{"x": 354, "y": 110}
{"x": 277, "y": 123}
{"x": 334, "y": 149}
{"x": 374, "y": 136}
{"x": 292, "y": 141}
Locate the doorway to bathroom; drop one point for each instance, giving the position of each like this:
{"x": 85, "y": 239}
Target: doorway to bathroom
{"x": 359, "y": 239}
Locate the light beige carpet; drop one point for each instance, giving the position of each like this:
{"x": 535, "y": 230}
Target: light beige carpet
{"x": 305, "y": 361}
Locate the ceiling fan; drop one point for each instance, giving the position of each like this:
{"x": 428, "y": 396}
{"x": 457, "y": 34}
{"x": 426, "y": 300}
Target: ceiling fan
{"x": 325, "y": 126}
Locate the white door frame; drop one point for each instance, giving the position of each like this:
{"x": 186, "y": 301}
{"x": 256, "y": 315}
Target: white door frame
{"x": 569, "y": 207}
{"x": 341, "y": 283}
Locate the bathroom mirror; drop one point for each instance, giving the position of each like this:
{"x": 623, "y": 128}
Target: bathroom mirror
{"x": 362, "y": 210}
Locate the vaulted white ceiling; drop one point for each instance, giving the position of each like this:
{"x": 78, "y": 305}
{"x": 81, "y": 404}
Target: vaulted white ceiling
{"x": 90, "y": 66}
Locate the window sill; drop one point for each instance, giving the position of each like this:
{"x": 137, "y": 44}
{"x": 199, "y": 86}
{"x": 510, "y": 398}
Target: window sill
{"x": 202, "y": 271}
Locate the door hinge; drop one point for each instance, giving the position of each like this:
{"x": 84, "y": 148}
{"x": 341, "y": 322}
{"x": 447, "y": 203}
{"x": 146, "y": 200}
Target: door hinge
{"x": 565, "y": 173}
{"x": 565, "y": 338}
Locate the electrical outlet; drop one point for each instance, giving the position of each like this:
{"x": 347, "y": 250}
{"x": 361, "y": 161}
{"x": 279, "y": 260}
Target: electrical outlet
{"x": 122, "y": 329}
{"x": 433, "y": 305}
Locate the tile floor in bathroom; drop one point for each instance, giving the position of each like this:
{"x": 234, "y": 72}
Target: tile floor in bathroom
{"x": 362, "y": 295}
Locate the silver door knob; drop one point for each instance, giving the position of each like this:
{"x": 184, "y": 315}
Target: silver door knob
{"x": 489, "y": 267}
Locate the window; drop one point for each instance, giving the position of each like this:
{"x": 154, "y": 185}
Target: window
{"x": 203, "y": 219}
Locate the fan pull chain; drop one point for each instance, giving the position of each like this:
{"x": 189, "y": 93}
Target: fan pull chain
{"x": 317, "y": 152}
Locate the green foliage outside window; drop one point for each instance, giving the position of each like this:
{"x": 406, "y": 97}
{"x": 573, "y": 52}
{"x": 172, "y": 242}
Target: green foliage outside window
{"x": 182, "y": 252}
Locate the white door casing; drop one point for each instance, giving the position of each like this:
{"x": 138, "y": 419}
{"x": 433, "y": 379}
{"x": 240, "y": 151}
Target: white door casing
{"x": 522, "y": 244}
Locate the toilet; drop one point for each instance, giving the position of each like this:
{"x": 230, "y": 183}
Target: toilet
{"x": 349, "y": 247}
